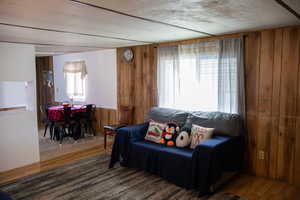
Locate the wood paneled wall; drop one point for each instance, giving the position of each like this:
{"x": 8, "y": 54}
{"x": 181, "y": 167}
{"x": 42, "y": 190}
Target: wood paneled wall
{"x": 272, "y": 72}
{"x": 137, "y": 80}
{"x": 105, "y": 116}
{"x": 45, "y": 94}
{"x": 273, "y": 103}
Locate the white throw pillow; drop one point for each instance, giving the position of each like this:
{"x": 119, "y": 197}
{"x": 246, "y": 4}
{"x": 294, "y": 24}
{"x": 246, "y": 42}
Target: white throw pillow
{"x": 199, "y": 134}
{"x": 155, "y": 131}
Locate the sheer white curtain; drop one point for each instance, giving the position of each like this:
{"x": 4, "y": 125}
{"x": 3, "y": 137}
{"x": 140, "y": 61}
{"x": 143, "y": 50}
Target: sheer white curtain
{"x": 187, "y": 76}
{"x": 75, "y": 74}
{"x": 198, "y": 65}
{"x": 201, "y": 76}
{"x": 231, "y": 94}
{"x": 168, "y": 76}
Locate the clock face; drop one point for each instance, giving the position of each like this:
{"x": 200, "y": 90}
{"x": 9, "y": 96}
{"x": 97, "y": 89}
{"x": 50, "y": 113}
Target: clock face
{"x": 128, "y": 54}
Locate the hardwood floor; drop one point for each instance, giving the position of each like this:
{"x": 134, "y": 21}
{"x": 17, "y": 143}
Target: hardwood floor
{"x": 54, "y": 162}
{"x": 258, "y": 188}
{"x": 50, "y": 149}
{"x": 244, "y": 185}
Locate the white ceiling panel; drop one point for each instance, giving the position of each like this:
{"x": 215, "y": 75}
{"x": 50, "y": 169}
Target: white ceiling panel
{"x": 16, "y": 34}
{"x": 70, "y": 16}
{"x": 43, "y": 50}
{"x": 92, "y": 24}
{"x": 211, "y": 16}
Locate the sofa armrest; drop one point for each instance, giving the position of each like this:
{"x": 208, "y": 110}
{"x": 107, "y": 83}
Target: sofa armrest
{"x": 135, "y": 132}
{"x": 122, "y": 142}
{"x": 212, "y": 143}
{"x": 228, "y": 151}
{"x": 221, "y": 142}
{"x": 215, "y": 156}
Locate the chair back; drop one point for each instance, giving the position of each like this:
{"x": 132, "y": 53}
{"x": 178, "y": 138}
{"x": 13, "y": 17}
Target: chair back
{"x": 67, "y": 113}
{"x": 125, "y": 115}
{"x": 77, "y": 116}
{"x": 90, "y": 110}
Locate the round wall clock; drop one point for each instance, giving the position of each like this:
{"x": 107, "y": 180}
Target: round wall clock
{"x": 128, "y": 54}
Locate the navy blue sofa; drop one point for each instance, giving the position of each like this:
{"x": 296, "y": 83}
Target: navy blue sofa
{"x": 201, "y": 168}
{"x": 4, "y": 196}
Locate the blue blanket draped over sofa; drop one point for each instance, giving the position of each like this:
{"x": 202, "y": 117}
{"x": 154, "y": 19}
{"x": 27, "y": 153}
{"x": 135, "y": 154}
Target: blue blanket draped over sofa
{"x": 197, "y": 168}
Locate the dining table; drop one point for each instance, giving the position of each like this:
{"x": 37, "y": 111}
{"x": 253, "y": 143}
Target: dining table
{"x": 56, "y": 113}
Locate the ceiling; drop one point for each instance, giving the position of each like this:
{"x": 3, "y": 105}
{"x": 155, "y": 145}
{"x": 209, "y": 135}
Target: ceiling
{"x": 63, "y": 26}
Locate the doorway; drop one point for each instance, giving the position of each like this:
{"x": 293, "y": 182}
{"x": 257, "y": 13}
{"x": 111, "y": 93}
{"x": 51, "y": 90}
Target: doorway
{"x": 50, "y": 148}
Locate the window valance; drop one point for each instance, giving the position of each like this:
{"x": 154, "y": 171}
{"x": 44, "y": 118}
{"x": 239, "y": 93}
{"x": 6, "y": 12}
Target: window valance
{"x": 75, "y": 67}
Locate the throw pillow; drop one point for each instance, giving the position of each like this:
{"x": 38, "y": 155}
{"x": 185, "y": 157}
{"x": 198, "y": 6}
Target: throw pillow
{"x": 199, "y": 134}
{"x": 155, "y": 131}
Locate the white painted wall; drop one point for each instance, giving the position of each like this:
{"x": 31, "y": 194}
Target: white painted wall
{"x": 12, "y": 93}
{"x": 101, "y": 78}
{"x": 19, "y": 144}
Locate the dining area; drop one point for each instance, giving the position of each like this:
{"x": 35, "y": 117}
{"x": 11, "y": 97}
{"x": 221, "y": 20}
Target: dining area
{"x": 68, "y": 120}
{"x": 67, "y": 128}
{"x": 73, "y": 105}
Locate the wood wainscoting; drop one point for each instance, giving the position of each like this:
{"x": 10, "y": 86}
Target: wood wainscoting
{"x": 105, "y": 116}
{"x": 272, "y": 71}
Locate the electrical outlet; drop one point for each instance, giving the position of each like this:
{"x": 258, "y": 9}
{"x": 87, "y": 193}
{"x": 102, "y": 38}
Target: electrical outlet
{"x": 261, "y": 155}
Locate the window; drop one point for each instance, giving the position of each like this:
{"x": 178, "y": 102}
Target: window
{"x": 75, "y": 86}
{"x": 201, "y": 76}
{"x": 75, "y": 80}
{"x": 198, "y": 87}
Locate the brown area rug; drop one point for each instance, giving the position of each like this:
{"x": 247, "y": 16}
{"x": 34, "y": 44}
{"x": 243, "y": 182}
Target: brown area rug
{"x": 91, "y": 179}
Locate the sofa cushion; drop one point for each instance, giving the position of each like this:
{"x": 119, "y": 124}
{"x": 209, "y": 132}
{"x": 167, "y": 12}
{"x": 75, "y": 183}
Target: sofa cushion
{"x": 165, "y": 115}
{"x": 173, "y": 164}
{"x": 150, "y": 146}
{"x": 224, "y": 123}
